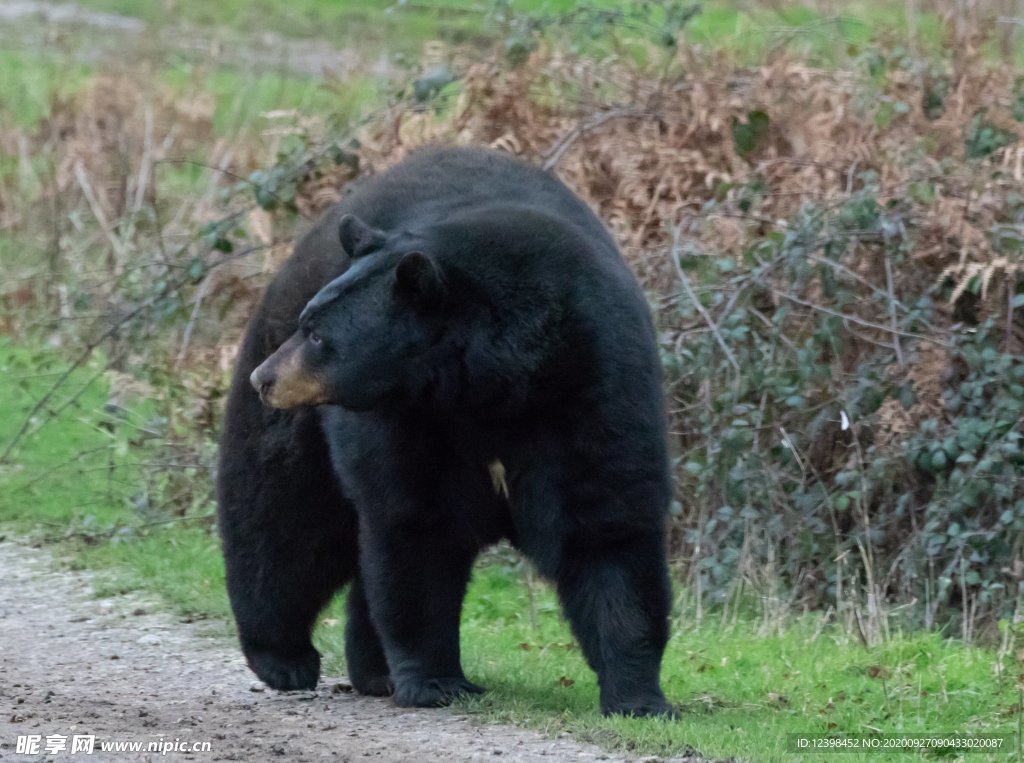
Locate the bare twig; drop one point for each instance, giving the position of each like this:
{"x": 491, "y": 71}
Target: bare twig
{"x": 186, "y": 336}
{"x": 49, "y": 471}
{"x": 768, "y": 324}
{"x": 89, "y": 348}
{"x": 145, "y": 162}
{"x": 858, "y": 278}
{"x": 111, "y": 532}
{"x": 893, "y": 320}
{"x": 859, "y": 321}
{"x": 223, "y": 170}
{"x": 83, "y": 356}
{"x": 554, "y": 154}
{"x": 1010, "y": 295}
{"x": 849, "y": 177}
{"x": 674, "y": 256}
{"x": 100, "y": 215}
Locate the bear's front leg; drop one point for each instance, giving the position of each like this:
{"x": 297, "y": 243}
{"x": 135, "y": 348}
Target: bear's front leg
{"x": 367, "y": 666}
{"x": 415, "y": 579}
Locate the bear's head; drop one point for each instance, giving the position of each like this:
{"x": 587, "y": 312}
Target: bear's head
{"x": 366, "y": 333}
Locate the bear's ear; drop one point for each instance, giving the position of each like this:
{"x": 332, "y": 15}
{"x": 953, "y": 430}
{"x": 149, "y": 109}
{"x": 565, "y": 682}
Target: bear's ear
{"x": 358, "y": 238}
{"x": 418, "y": 278}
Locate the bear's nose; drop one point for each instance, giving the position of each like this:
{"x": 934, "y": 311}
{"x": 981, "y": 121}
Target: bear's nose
{"x": 260, "y": 384}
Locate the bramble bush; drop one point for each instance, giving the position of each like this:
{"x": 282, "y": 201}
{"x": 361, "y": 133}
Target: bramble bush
{"x": 804, "y": 449}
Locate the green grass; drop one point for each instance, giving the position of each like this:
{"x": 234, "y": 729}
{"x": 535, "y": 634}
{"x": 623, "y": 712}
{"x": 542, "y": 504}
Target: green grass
{"x": 30, "y": 83}
{"x": 742, "y": 689}
{"x": 34, "y": 80}
{"x": 748, "y": 30}
{"x": 183, "y": 566}
{"x": 242, "y": 100}
{"x": 239, "y": 99}
{"x": 401, "y": 27}
{"x": 68, "y": 469}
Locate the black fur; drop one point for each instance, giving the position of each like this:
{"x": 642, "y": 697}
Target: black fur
{"x": 489, "y": 317}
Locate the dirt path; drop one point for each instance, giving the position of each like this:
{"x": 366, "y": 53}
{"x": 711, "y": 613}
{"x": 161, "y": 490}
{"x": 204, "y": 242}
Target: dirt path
{"x": 124, "y": 670}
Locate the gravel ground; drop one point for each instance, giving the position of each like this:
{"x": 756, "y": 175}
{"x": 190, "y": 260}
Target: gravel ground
{"x": 125, "y": 670}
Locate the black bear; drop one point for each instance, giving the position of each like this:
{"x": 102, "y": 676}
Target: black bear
{"x": 455, "y": 354}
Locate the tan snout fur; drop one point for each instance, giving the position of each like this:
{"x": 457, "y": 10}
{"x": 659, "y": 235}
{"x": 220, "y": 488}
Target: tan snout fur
{"x": 288, "y": 383}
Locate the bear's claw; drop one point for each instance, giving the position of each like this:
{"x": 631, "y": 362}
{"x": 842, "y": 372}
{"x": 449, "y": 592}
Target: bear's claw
{"x": 285, "y": 672}
{"x": 377, "y": 686}
{"x": 434, "y": 692}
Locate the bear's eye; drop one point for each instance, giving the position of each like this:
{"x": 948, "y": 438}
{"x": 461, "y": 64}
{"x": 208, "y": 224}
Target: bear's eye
{"x": 314, "y": 337}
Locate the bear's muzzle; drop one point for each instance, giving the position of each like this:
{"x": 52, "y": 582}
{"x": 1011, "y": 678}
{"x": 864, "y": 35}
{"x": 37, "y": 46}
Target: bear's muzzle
{"x": 283, "y": 381}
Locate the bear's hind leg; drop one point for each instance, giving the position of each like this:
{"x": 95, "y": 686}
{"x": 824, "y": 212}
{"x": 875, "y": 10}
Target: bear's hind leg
{"x": 616, "y": 596}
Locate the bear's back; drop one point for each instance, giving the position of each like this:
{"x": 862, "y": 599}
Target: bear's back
{"x": 434, "y": 183}
{"x": 429, "y": 186}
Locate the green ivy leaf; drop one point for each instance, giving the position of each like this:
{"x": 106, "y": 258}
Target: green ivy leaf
{"x": 749, "y": 135}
